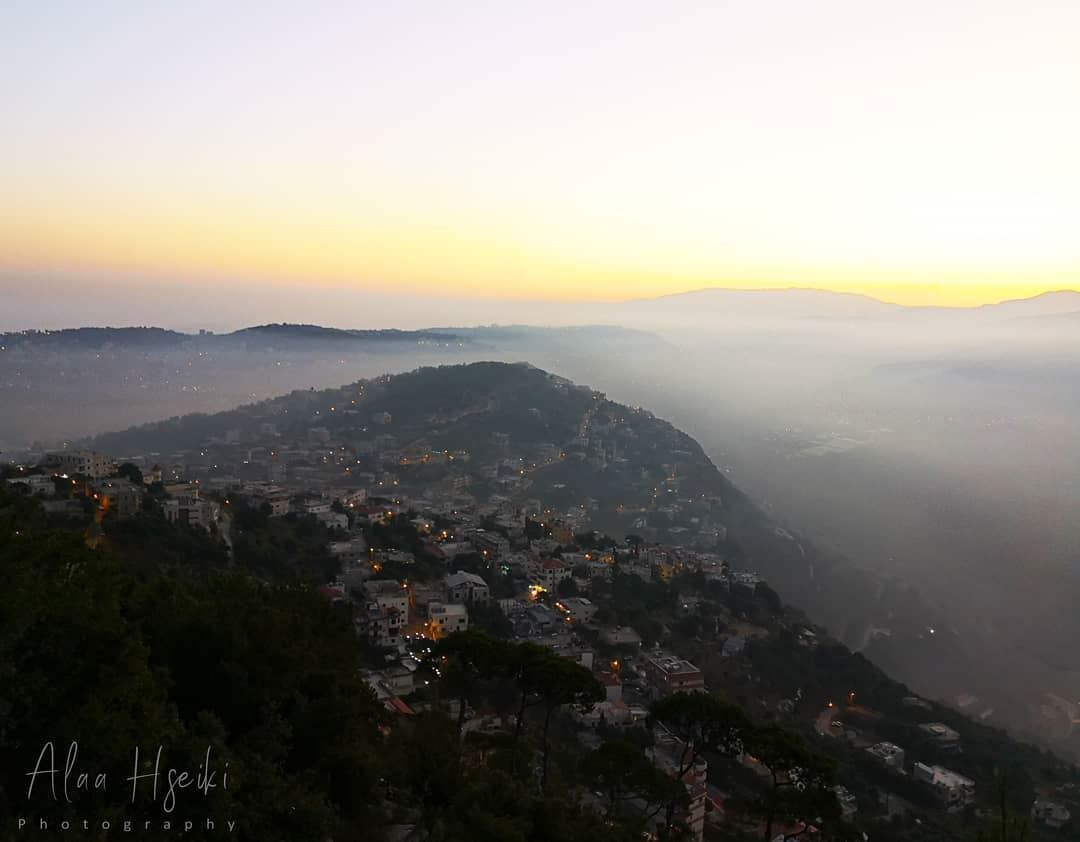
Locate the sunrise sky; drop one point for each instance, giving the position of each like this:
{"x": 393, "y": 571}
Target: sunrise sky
{"x": 922, "y": 152}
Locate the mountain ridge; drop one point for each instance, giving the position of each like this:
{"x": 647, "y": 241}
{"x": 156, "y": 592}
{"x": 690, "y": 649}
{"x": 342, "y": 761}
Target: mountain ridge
{"x": 545, "y": 409}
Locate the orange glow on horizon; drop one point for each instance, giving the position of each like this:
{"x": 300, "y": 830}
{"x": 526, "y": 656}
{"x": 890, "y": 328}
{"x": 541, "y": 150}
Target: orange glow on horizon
{"x": 898, "y": 152}
{"x": 455, "y": 261}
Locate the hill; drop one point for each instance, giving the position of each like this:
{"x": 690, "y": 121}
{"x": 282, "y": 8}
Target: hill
{"x": 626, "y": 470}
{"x": 63, "y": 384}
{"x": 820, "y": 310}
{"x": 537, "y": 471}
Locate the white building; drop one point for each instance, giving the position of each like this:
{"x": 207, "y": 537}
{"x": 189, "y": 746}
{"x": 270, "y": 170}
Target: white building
{"x": 191, "y": 511}
{"x": 36, "y": 483}
{"x": 386, "y": 614}
{"x": 87, "y": 463}
{"x": 890, "y": 754}
{"x": 334, "y": 520}
{"x": 953, "y": 790}
{"x": 446, "y": 619}
{"x": 552, "y": 571}
{"x": 388, "y": 594}
{"x": 275, "y": 495}
{"x": 577, "y": 608}
{"x": 462, "y": 587}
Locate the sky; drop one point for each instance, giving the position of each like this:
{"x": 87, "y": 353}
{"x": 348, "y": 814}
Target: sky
{"x": 920, "y": 152}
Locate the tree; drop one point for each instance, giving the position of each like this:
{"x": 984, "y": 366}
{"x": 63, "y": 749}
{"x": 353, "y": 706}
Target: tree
{"x": 544, "y": 678}
{"x": 417, "y": 746}
{"x": 799, "y": 778}
{"x": 769, "y": 598}
{"x": 264, "y": 674}
{"x": 130, "y": 472}
{"x": 488, "y": 617}
{"x": 534, "y": 530}
{"x": 1004, "y": 827}
{"x": 562, "y": 682}
{"x": 702, "y": 723}
{"x": 522, "y": 665}
{"x": 624, "y": 774}
{"x": 468, "y": 656}
{"x": 567, "y": 587}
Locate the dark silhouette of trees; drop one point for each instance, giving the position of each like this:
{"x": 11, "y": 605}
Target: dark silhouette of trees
{"x": 626, "y": 777}
{"x": 703, "y": 723}
{"x": 799, "y": 778}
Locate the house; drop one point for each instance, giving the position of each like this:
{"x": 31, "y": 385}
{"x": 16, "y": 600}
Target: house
{"x": 382, "y": 625}
{"x": 539, "y": 620}
{"x": 87, "y": 463}
{"x": 599, "y": 566}
{"x": 190, "y": 511}
{"x": 612, "y": 685}
{"x": 276, "y": 496}
{"x": 890, "y": 754}
{"x": 636, "y": 567}
{"x": 182, "y": 491}
{"x": 552, "y": 571}
{"x": 71, "y": 506}
{"x": 942, "y": 734}
{"x": 848, "y": 805}
{"x": 577, "y": 609}
{"x": 334, "y": 520}
{"x": 423, "y": 595}
{"x": 35, "y": 483}
{"x": 351, "y": 551}
{"x": 622, "y": 637}
{"x": 745, "y": 579}
{"x": 315, "y": 507}
{"x": 388, "y": 594}
{"x": 384, "y": 695}
{"x": 667, "y": 673}
{"x": 1050, "y": 813}
{"x": 387, "y": 611}
{"x": 916, "y": 702}
{"x": 954, "y": 791}
{"x": 450, "y": 550}
{"x": 398, "y": 679}
{"x": 446, "y": 619}
{"x": 119, "y": 496}
{"x": 468, "y": 588}
{"x": 490, "y": 545}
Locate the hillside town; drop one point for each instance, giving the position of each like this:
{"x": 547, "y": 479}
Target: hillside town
{"x": 607, "y": 547}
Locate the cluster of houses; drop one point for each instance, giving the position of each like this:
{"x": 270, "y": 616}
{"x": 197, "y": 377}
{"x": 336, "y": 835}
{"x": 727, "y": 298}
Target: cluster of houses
{"x": 348, "y": 483}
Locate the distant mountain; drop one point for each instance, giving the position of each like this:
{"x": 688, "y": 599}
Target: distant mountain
{"x": 752, "y": 307}
{"x": 529, "y": 337}
{"x": 299, "y": 337}
{"x": 92, "y": 338}
{"x": 257, "y": 337}
{"x": 303, "y": 337}
{"x": 57, "y": 385}
{"x": 753, "y": 303}
{"x": 1056, "y": 303}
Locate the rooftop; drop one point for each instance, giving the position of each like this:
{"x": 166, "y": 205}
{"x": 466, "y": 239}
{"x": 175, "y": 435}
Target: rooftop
{"x": 461, "y": 578}
{"x": 672, "y": 664}
{"x": 384, "y": 587}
